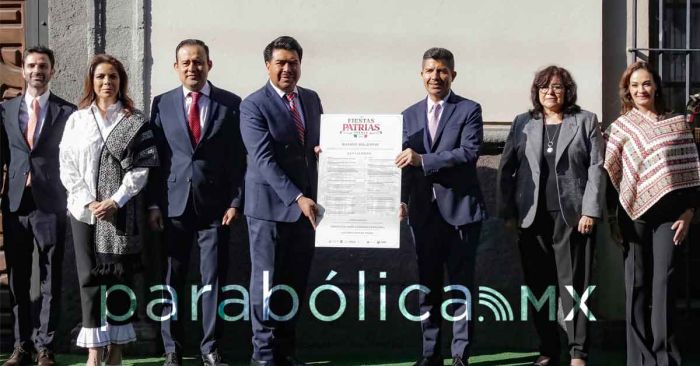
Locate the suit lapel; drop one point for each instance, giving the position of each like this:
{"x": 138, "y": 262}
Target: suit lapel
{"x": 567, "y": 133}
{"x": 175, "y": 123}
{"x": 52, "y": 114}
{"x": 533, "y": 143}
{"x": 449, "y": 107}
{"x": 212, "y": 115}
{"x": 422, "y": 119}
{"x": 306, "y": 104}
{"x": 12, "y": 124}
{"x": 285, "y": 121}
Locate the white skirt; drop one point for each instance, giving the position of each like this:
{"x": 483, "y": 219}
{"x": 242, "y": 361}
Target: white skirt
{"x": 103, "y": 336}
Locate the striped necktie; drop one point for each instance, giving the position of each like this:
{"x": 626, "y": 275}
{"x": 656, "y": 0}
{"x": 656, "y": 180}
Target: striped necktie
{"x": 296, "y": 117}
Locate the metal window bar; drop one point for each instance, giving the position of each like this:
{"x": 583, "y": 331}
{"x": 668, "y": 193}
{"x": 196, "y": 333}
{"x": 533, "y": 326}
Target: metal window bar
{"x": 637, "y": 51}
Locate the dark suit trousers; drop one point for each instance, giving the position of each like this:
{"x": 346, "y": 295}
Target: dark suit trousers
{"x": 439, "y": 245}
{"x": 285, "y": 251}
{"x": 555, "y": 254}
{"x": 23, "y": 229}
{"x": 649, "y": 267}
{"x": 212, "y": 241}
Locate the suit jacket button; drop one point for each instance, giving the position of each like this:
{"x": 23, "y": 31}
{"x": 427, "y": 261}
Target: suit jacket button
{"x": 189, "y": 180}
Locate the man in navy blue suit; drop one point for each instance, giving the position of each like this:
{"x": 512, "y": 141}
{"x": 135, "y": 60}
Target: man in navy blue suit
{"x": 280, "y": 127}
{"x": 197, "y": 191}
{"x": 34, "y": 205}
{"x": 445, "y": 208}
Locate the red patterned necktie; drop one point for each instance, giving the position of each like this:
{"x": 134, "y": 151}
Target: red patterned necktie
{"x": 296, "y": 117}
{"x": 193, "y": 118}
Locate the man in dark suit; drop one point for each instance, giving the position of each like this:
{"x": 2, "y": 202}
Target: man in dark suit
{"x": 34, "y": 205}
{"x": 280, "y": 127}
{"x": 442, "y": 136}
{"x": 197, "y": 191}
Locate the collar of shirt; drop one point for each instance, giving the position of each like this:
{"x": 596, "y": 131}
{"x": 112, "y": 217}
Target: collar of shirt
{"x": 43, "y": 99}
{"x": 115, "y": 112}
{"x": 206, "y": 90}
{"x": 282, "y": 93}
{"x": 432, "y": 104}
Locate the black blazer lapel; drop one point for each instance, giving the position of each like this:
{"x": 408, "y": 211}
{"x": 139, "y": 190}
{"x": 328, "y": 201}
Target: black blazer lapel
{"x": 212, "y": 116}
{"x": 53, "y": 112}
{"x": 533, "y": 131}
{"x": 14, "y": 133}
{"x": 422, "y": 120}
{"x": 566, "y": 134}
{"x": 173, "y": 118}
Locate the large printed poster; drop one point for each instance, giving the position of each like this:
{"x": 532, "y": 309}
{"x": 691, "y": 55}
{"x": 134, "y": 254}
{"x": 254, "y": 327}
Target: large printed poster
{"x": 359, "y": 186}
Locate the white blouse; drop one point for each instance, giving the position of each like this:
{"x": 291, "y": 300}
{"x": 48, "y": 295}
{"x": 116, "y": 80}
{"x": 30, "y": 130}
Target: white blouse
{"x": 79, "y": 157}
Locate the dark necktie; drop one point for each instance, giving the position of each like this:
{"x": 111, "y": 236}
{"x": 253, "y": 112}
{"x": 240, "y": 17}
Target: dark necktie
{"x": 296, "y": 117}
{"x": 193, "y": 118}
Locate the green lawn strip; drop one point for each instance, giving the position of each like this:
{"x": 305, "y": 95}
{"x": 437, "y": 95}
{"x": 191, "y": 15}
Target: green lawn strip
{"x": 487, "y": 359}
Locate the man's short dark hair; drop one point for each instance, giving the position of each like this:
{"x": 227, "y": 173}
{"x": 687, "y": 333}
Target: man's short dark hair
{"x": 285, "y": 43}
{"x": 192, "y": 42}
{"x": 40, "y": 49}
{"x": 442, "y": 54}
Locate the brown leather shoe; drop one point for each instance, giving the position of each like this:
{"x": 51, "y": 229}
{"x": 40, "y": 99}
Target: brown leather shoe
{"x": 19, "y": 357}
{"x": 45, "y": 358}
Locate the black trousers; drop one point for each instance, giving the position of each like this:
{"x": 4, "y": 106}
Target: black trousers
{"x": 35, "y": 322}
{"x": 649, "y": 268}
{"x": 117, "y": 303}
{"x": 439, "y": 245}
{"x": 555, "y": 254}
{"x": 211, "y": 239}
{"x": 285, "y": 251}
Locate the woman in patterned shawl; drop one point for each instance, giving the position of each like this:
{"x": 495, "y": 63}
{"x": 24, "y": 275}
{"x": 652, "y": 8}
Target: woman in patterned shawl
{"x": 105, "y": 155}
{"x": 652, "y": 162}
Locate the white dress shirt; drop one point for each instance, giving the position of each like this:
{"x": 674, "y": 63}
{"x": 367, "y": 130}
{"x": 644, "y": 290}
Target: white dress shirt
{"x": 203, "y": 103}
{"x": 26, "y": 111}
{"x": 79, "y": 158}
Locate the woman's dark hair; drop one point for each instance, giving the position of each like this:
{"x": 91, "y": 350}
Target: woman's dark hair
{"x": 626, "y": 102}
{"x": 542, "y": 79}
{"x": 89, "y": 87}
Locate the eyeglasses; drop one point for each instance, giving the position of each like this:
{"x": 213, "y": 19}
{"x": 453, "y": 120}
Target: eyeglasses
{"x": 557, "y": 88}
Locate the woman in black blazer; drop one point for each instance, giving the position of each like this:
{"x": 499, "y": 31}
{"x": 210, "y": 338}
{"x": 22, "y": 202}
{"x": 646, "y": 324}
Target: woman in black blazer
{"x": 551, "y": 187}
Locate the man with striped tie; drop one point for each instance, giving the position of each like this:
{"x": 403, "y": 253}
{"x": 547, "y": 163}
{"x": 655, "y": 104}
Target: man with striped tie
{"x": 280, "y": 129}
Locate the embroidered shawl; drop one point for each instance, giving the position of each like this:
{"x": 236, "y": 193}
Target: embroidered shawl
{"x": 647, "y": 159}
{"x": 129, "y": 145}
